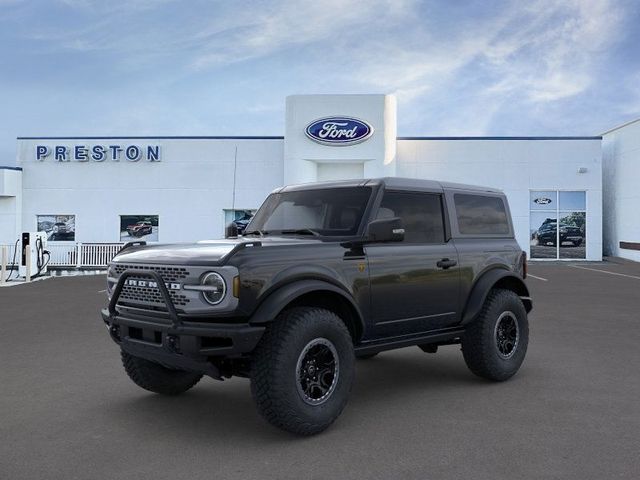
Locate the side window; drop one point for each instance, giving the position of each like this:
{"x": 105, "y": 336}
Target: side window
{"x": 421, "y": 215}
{"x": 481, "y": 215}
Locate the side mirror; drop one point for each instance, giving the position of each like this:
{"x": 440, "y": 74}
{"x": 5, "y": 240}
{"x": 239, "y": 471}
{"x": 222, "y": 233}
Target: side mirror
{"x": 231, "y": 231}
{"x": 385, "y": 230}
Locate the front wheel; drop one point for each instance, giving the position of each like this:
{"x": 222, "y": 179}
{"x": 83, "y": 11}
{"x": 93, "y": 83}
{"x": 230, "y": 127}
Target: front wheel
{"x": 495, "y": 344}
{"x": 302, "y": 370}
{"x": 156, "y": 378}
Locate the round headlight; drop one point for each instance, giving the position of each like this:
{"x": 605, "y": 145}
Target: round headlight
{"x": 216, "y": 288}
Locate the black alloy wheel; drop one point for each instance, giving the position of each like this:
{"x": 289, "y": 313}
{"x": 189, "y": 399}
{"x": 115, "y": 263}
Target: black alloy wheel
{"x": 317, "y": 371}
{"x": 507, "y": 334}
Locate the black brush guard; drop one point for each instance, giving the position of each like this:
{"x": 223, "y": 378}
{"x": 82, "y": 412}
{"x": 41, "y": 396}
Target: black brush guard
{"x": 167, "y": 339}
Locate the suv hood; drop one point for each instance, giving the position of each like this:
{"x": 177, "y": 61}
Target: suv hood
{"x": 208, "y": 252}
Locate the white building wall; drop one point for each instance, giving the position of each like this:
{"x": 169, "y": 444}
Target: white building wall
{"x": 516, "y": 167}
{"x": 189, "y": 188}
{"x": 621, "y": 180}
{"x": 10, "y": 205}
{"x": 308, "y": 161}
{"x": 193, "y": 183}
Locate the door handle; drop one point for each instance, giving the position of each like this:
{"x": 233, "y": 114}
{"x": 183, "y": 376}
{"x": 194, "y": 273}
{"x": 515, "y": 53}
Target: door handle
{"x": 446, "y": 263}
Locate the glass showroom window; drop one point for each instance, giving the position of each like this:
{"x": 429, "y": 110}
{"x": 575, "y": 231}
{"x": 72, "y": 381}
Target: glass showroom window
{"x": 241, "y": 218}
{"x": 558, "y": 224}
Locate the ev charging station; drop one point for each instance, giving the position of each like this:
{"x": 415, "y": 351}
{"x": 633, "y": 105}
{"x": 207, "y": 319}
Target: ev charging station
{"x": 34, "y": 254}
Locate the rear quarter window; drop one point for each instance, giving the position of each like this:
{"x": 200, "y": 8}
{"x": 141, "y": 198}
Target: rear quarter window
{"x": 481, "y": 215}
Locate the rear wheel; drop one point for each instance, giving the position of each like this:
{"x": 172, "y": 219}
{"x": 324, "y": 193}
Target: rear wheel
{"x": 495, "y": 344}
{"x": 302, "y": 370}
{"x": 156, "y": 378}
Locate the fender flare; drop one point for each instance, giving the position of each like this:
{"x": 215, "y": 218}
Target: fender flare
{"x": 486, "y": 282}
{"x": 282, "y": 296}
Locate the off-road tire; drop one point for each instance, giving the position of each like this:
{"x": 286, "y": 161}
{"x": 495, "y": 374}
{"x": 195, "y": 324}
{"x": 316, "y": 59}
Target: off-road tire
{"x": 479, "y": 345}
{"x": 156, "y": 378}
{"x": 275, "y": 374}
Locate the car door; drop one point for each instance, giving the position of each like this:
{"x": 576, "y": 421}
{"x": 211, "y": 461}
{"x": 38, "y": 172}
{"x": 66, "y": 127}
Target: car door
{"x": 414, "y": 284}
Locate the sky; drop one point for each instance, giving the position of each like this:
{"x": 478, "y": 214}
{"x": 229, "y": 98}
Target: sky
{"x": 196, "y": 67}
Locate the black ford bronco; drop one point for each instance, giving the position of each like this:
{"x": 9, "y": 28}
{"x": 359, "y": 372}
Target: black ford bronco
{"x": 325, "y": 273}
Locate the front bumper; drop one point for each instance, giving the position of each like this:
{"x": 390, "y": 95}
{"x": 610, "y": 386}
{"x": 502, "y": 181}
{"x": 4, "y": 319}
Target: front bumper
{"x": 172, "y": 341}
{"x": 187, "y": 347}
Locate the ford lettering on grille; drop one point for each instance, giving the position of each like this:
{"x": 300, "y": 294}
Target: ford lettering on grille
{"x": 339, "y": 130}
{"x": 133, "y": 282}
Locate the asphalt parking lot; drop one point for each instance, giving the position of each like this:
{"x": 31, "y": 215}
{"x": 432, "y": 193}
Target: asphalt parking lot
{"x": 67, "y": 409}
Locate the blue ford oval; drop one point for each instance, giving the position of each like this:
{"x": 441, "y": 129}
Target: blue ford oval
{"x": 338, "y": 130}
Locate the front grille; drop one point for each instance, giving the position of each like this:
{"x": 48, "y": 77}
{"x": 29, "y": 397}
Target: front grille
{"x": 169, "y": 274}
{"x": 150, "y": 296}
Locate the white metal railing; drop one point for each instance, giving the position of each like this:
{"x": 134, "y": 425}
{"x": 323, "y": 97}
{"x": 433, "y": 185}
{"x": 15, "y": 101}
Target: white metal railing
{"x": 74, "y": 255}
{"x": 63, "y": 255}
{"x": 97, "y": 254}
{"x": 10, "y": 250}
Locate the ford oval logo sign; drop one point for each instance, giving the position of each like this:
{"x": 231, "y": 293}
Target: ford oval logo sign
{"x": 339, "y": 131}
{"x": 542, "y": 201}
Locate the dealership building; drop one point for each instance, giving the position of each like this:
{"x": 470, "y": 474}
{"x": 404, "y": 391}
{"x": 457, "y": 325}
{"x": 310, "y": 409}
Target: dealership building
{"x": 107, "y": 190}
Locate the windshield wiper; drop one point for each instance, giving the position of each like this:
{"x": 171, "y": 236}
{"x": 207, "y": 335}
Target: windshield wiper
{"x": 301, "y": 231}
{"x": 254, "y": 232}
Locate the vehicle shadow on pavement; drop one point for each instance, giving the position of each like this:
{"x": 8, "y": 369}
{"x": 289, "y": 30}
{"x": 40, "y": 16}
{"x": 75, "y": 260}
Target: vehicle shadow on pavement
{"x": 210, "y": 409}
{"x": 226, "y": 410}
{"x": 410, "y": 372}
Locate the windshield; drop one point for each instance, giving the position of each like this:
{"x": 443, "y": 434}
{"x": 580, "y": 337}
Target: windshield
{"x": 333, "y": 212}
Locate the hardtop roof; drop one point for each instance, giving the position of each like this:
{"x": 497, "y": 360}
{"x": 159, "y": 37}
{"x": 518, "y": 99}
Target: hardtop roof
{"x": 391, "y": 182}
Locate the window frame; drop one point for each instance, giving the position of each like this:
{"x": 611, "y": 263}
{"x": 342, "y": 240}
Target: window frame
{"x": 453, "y": 213}
{"x": 407, "y": 191}
{"x": 557, "y": 212}
{"x": 370, "y": 205}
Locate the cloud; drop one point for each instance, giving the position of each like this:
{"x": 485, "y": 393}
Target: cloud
{"x": 113, "y": 6}
{"x": 544, "y": 52}
{"x": 458, "y": 68}
{"x": 289, "y": 24}
{"x": 549, "y": 54}
{"x": 530, "y": 59}
{"x": 217, "y": 33}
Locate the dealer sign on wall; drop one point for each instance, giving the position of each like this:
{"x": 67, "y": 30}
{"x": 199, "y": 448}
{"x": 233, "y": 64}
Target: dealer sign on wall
{"x": 339, "y": 131}
{"x": 98, "y": 153}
